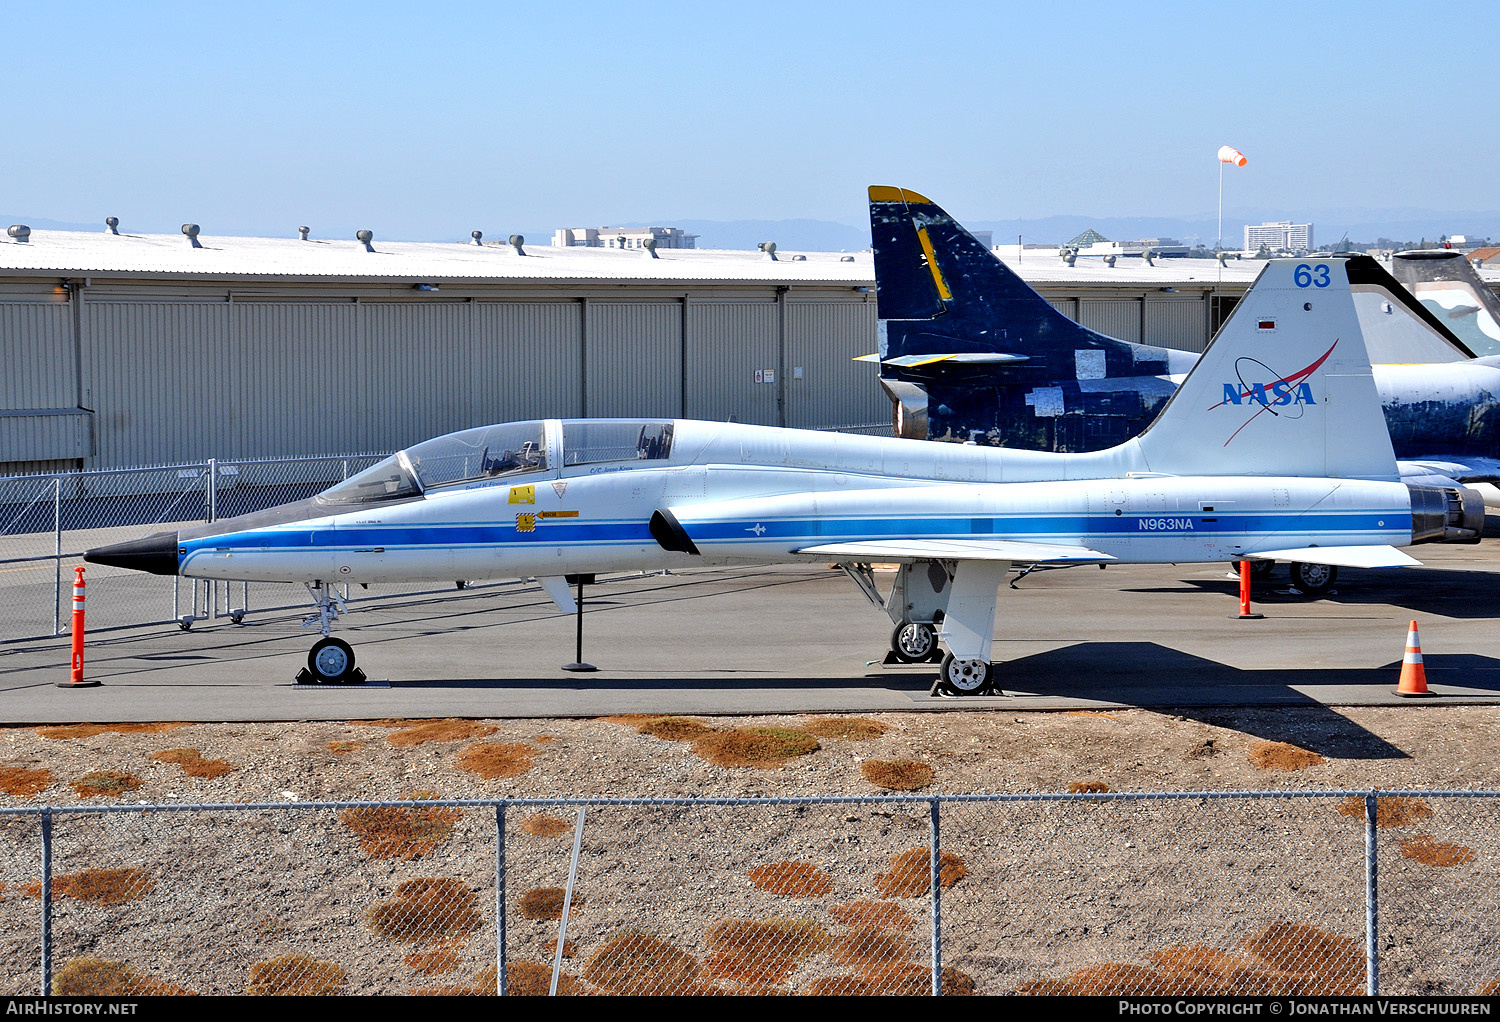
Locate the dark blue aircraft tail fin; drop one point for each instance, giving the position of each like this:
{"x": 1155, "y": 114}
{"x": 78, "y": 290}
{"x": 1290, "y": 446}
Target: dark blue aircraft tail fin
{"x": 939, "y": 291}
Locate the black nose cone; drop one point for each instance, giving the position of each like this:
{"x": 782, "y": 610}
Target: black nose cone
{"x": 156, "y": 554}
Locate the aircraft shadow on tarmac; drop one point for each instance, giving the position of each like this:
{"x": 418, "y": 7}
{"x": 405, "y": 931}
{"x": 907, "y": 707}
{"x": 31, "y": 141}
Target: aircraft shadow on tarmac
{"x": 1447, "y": 592}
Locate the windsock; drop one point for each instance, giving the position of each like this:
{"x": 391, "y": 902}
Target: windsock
{"x": 1229, "y": 154}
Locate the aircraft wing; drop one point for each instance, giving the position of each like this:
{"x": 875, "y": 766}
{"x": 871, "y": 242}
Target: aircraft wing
{"x": 957, "y": 358}
{"x": 958, "y": 550}
{"x": 1445, "y": 470}
{"x": 1343, "y": 556}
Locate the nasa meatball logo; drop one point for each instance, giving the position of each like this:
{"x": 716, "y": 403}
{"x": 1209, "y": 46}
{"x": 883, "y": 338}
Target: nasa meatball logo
{"x": 1258, "y": 389}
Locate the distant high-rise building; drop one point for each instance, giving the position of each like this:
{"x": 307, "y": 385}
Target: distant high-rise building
{"x": 622, "y": 237}
{"x": 1279, "y": 236}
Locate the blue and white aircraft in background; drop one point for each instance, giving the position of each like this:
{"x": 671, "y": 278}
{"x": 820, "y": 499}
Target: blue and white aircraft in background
{"x": 969, "y": 351}
{"x": 1273, "y": 448}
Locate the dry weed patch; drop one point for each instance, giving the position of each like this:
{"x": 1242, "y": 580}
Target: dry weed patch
{"x": 1089, "y": 713}
{"x": 764, "y": 747}
{"x": 532, "y": 979}
{"x": 640, "y": 964}
{"x": 295, "y": 976}
{"x": 1280, "y": 959}
{"x": 101, "y": 886}
{"x": 440, "y": 731}
{"x": 543, "y": 825}
{"x": 896, "y": 774}
{"x": 193, "y": 764}
{"x": 389, "y": 832}
{"x": 1282, "y": 756}
{"x": 792, "y": 879}
{"x": 66, "y": 731}
{"x": 1431, "y": 852}
{"x": 1088, "y": 788}
{"x": 770, "y": 938}
{"x": 674, "y": 729}
{"x": 434, "y": 961}
{"x": 916, "y": 981}
{"x": 340, "y": 748}
{"x": 868, "y": 949}
{"x": 95, "y": 977}
{"x": 872, "y": 915}
{"x": 1390, "y": 811}
{"x": 24, "y": 783}
{"x": 496, "y": 759}
{"x": 427, "y": 910}
{"x": 910, "y": 873}
{"x": 107, "y": 783}
{"x": 841, "y": 986}
{"x": 547, "y": 903}
{"x": 749, "y": 966}
{"x": 850, "y": 729}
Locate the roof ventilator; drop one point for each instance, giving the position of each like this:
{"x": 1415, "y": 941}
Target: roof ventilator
{"x": 303, "y": 232}
{"x": 112, "y": 224}
{"x": 846, "y": 259}
{"x": 1109, "y": 261}
{"x": 799, "y": 258}
{"x": 1069, "y": 255}
{"x": 478, "y": 237}
{"x": 191, "y": 230}
{"x": 20, "y": 232}
{"x": 649, "y": 244}
{"x": 516, "y": 241}
{"x": 769, "y": 248}
{"x": 364, "y": 238}
{"x": 1149, "y": 256}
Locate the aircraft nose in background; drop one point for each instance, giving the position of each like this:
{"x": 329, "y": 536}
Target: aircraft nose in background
{"x": 156, "y": 554}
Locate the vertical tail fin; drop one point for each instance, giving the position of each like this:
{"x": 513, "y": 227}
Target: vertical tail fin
{"x": 1284, "y": 389}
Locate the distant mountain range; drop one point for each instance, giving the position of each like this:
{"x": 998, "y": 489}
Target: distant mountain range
{"x": 1360, "y": 225}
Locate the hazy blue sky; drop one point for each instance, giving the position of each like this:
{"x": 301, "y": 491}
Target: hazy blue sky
{"x": 427, "y": 120}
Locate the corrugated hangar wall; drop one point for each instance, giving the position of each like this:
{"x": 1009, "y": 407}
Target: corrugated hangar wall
{"x": 173, "y": 372}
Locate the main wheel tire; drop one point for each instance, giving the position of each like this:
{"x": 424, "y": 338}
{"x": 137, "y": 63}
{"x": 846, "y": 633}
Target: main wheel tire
{"x": 1314, "y": 579}
{"x": 1258, "y": 569}
{"x": 913, "y": 642}
{"x": 331, "y": 660}
{"x": 964, "y": 677}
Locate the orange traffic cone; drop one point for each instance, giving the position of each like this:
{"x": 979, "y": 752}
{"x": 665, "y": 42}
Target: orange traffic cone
{"x": 1413, "y": 675}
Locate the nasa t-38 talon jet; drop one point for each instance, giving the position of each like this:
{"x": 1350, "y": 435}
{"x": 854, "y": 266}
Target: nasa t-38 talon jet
{"x": 1272, "y": 448}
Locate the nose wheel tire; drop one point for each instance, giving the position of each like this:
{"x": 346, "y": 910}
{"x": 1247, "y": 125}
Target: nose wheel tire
{"x": 1314, "y": 579}
{"x": 331, "y": 660}
{"x": 913, "y": 642}
{"x": 965, "y": 677}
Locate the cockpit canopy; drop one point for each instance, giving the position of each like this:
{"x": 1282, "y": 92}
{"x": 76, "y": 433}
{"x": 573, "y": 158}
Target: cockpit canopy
{"x": 508, "y": 449}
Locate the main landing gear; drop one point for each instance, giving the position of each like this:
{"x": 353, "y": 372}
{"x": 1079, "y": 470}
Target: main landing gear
{"x": 965, "y": 677}
{"x": 331, "y": 661}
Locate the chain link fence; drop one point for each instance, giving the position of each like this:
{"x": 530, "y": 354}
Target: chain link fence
{"x": 1164, "y": 894}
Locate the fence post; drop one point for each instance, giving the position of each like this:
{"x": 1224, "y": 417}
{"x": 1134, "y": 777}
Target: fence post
{"x": 562, "y": 927}
{"x": 46, "y": 902}
{"x": 500, "y": 899}
{"x": 57, "y": 555}
{"x": 1372, "y": 924}
{"x": 935, "y": 833}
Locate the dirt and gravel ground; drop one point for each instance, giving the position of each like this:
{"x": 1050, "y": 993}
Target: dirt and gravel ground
{"x": 1075, "y": 897}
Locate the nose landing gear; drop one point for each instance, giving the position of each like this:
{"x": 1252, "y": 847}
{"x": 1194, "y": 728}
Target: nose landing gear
{"x": 331, "y": 661}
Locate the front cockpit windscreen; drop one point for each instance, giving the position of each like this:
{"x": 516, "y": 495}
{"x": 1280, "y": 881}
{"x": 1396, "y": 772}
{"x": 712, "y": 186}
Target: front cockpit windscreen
{"x": 588, "y": 441}
{"x": 511, "y": 448}
{"x": 488, "y": 452}
{"x": 386, "y": 480}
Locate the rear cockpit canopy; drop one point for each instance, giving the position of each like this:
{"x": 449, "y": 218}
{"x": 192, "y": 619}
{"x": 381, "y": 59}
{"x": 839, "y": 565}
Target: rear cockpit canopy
{"x": 589, "y": 441}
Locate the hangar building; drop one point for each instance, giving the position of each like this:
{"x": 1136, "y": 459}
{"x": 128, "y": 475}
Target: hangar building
{"x": 125, "y": 350}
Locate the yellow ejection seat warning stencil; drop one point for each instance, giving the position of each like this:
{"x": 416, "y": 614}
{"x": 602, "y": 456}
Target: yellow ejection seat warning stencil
{"x": 525, "y": 522}
{"x": 522, "y": 495}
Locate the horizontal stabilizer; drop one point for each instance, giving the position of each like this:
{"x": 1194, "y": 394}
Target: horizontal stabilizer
{"x": 1342, "y": 556}
{"x": 1445, "y": 471}
{"x": 957, "y": 550}
{"x": 967, "y": 358}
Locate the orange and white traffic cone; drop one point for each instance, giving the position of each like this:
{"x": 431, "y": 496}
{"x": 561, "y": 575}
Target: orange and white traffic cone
{"x": 1413, "y": 675}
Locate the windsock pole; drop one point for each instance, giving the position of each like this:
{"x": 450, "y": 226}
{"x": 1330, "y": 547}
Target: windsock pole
{"x": 77, "y": 681}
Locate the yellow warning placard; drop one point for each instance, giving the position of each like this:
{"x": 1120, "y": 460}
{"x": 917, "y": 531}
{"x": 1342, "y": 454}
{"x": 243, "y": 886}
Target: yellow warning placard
{"x": 522, "y": 495}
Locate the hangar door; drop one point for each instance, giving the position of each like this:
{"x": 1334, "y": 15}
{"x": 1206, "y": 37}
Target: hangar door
{"x": 823, "y": 339}
{"x": 633, "y": 359}
{"x": 728, "y": 343}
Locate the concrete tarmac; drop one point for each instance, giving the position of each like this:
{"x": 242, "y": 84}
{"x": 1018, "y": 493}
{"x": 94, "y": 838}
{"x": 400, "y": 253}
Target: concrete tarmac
{"x": 798, "y": 640}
